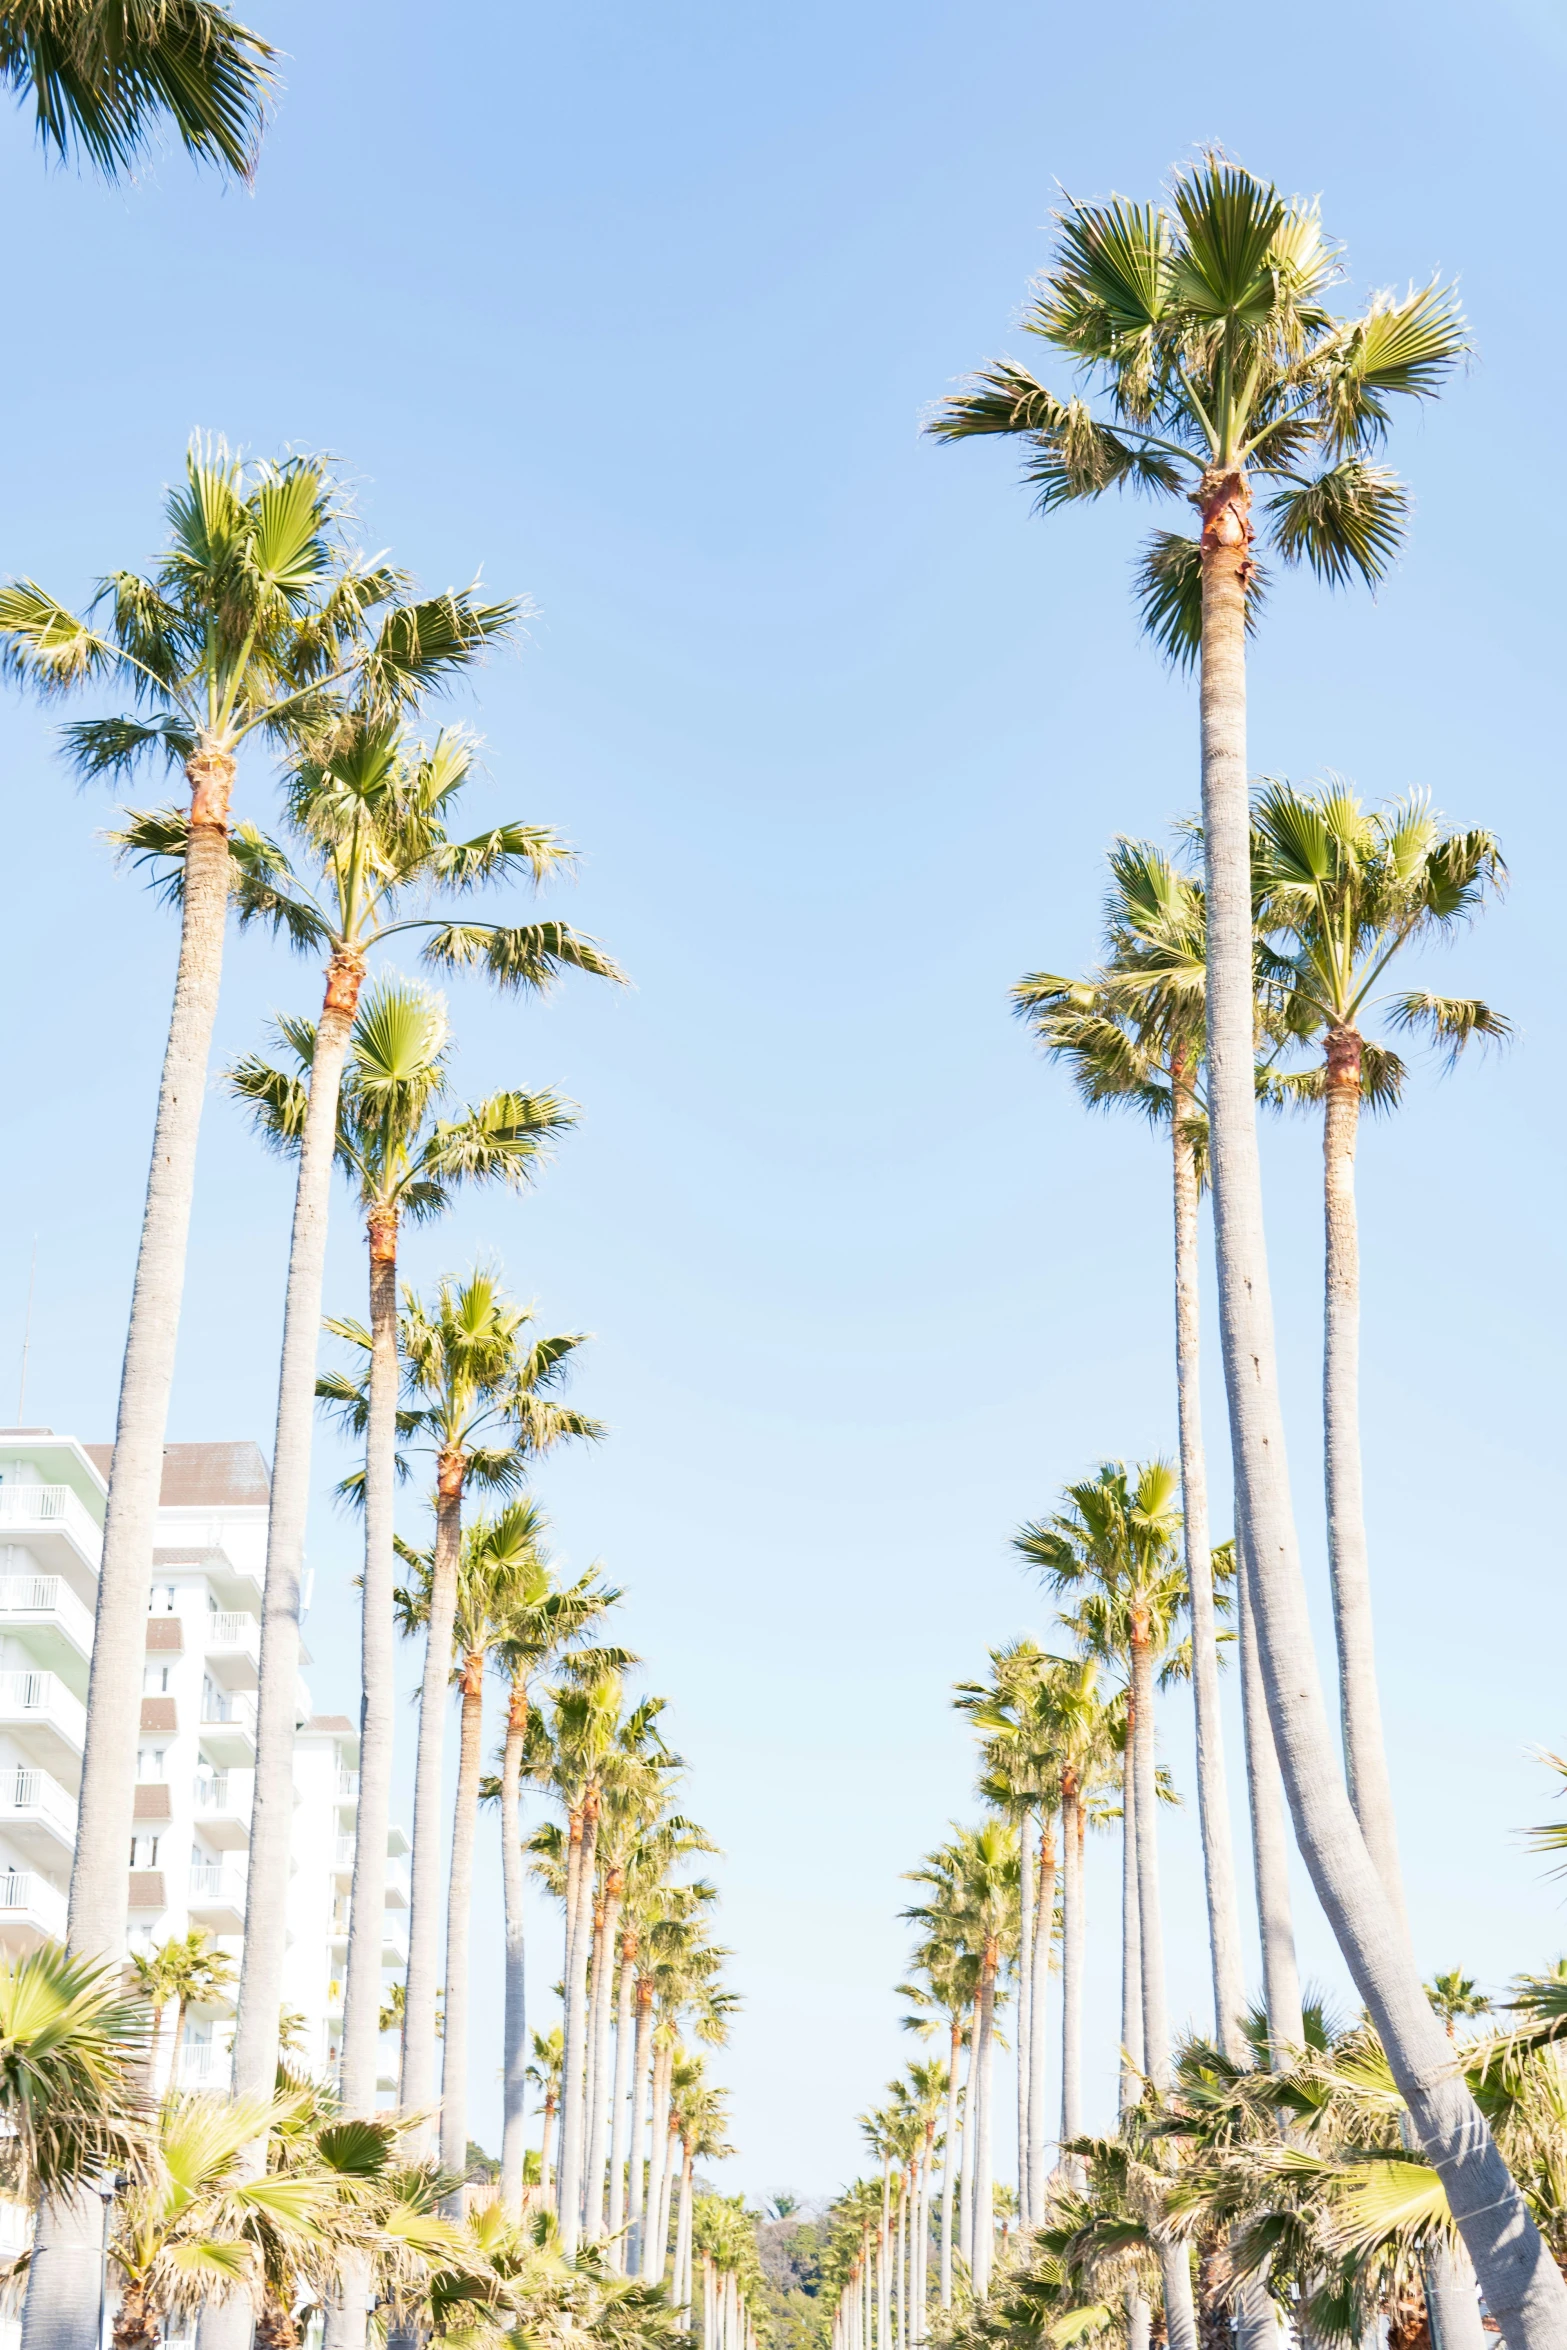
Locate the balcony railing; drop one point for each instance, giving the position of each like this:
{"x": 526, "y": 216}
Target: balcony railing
{"x": 229, "y": 1705}
{"x": 45, "y": 1696}
{"x": 37, "y": 1791}
{"x": 343, "y": 1853}
{"x": 202, "y": 2065}
{"x": 213, "y": 1794}
{"x": 26, "y": 1890}
{"x": 347, "y": 1785}
{"x": 211, "y": 1881}
{"x": 36, "y": 1505}
{"x": 47, "y": 1595}
{"x": 231, "y": 1627}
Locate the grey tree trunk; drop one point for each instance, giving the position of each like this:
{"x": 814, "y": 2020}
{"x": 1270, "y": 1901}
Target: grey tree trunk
{"x": 1138, "y": 2322}
{"x": 1213, "y": 1801}
{"x": 968, "y": 2145}
{"x": 515, "y": 2048}
{"x": 272, "y": 1796}
{"x": 604, "y": 1984}
{"x": 884, "y": 2260}
{"x": 345, "y": 2323}
{"x": 459, "y": 1922}
{"x": 683, "y": 2245}
{"x": 1025, "y": 1996}
{"x": 636, "y": 2183}
{"x": 416, "y": 2090}
{"x": 575, "y": 2044}
{"x": 666, "y": 2189}
{"x": 658, "y": 2149}
{"x": 1150, "y": 1928}
{"x": 1360, "y": 1710}
{"x": 949, "y": 2163}
{"x": 1523, "y": 2288}
{"x": 1043, "y": 1937}
{"x": 1269, "y": 1837}
{"x": 619, "y": 2119}
{"x": 1071, "y": 1966}
{"x": 1180, "y": 2310}
{"x": 984, "y": 2199}
{"x": 568, "y": 1973}
{"x": 61, "y": 2311}
{"x": 1132, "y": 2051}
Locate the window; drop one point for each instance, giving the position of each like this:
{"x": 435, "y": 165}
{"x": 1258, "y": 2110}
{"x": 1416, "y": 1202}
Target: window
{"x": 155, "y": 1681}
{"x": 150, "y": 1761}
{"x": 144, "y": 1852}
{"x": 162, "y": 1600}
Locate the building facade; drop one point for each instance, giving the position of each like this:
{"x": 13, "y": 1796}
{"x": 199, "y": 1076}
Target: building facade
{"x": 196, "y": 1752}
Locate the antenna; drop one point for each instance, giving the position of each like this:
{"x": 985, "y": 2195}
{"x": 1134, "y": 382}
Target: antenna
{"x": 27, "y": 1336}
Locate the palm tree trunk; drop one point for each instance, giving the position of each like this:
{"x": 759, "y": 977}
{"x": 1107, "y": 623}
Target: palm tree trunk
{"x": 683, "y": 2242}
{"x": 617, "y": 2136}
{"x": 666, "y": 2191}
{"x": 1360, "y": 1711}
{"x": 984, "y": 2199}
{"x": 1071, "y": 1963}
{"x": 515, "y": 2050}
{"x": 1523, "y": 2288}
{"x": 658, "y": 2144}
{"x": 1043, "y": 1937}
{"x": 967, "y": 2145}
{"x": 1025, "y": 1997}
{"x": 1132, "y": 2051}
{"x": 345, "y": 2325}
{"x": 62, "y": 2293}
{"x": 272, "y": 1794}
{"x": 636, "y": 2184}
{"x": 575, "y": 2044}
{"x": 949, "y": 2162}
{"x": 1150, "y": 1928}
{"x": 568, "y": 1971}
{"x": 1213, "y": 1802}
{"x": 416, "y": 2091}
{"x": 884, "y": 2260}
{"x": 1269, "y": 1837}
{"x": 459, "y": 1919}
{"x": 590, "y": 2058}
{"x": 604, "y": 1972}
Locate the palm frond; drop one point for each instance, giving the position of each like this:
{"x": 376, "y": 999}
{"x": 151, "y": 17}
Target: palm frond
{"x": 1346, "y": 521}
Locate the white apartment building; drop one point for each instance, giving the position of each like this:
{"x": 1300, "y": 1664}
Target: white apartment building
{"x": 197, "y": 1747}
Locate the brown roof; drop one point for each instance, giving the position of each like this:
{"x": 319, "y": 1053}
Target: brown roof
{"x": 338, "y": 1723}
{"x": 203, "y": 1476}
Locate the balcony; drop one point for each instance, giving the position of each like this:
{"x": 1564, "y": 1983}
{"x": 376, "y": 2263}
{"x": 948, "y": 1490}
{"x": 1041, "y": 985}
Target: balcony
{"x": 203, "y": 2065}
{"x": 231, "y": 1644}
{"x": 46, "y": 1721}
{"x": 347, "y": 1785}
{"x": 38, "y": 1816}
{"x": 31, "y": 1911}
{"x": 219, "y": 1814}
{"x": 45, "y": 1613}
{"x": 63, "y": 1536}
{"x": 217, "y": 1897}
{"x": 394, "y": 1939}
{"x": 228, "y": 1731}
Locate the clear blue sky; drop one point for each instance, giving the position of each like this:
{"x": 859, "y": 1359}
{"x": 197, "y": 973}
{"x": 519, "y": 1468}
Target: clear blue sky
{"x": 639, "y": 310}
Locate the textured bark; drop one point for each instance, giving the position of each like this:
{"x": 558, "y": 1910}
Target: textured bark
{"x": 1043, "y": 1936}
{"x": 1180, "y": 2313}
{"x": 459, "y": 1921}
{"x": 416, "y": 2090}
{"x": 272, "y": 1795}
{"x": 1213, "y": 1801}
{"x": 575, "y": 2041}
{"x": 1072, "y": 1921}
{"x": 1025, "y": 1996}
{"x": 1150, "y": 1928}
{"x": 590, "y": 2057}
{"x": 968, "y": 2143}
{"x": 620, "y": 2117}
{"x": 984, "y": 2200}
{"x": 636, "y": 2183}
{"x": 1138, "y": 2322}
{"x": 514, "y": 2059}
{"x": 683, "y": 2242}
{"x": 1524, "y": 2290}
{"x": 605, "y": 1969}
{"x": 568, "y": 1972}
{"x": 1269, "y": 1838}
{"x": 949, "y": 2162}
{"x": 884, "y": 2260}
{"x": 1360, "y": 1711}
{"x": 666, "y": 2194}
{"x": 1131, "y": 1938}
{"x": 276, "y": 2326}
{"x": 658, "y": 2151}
{"x": 1452, "y": 2310}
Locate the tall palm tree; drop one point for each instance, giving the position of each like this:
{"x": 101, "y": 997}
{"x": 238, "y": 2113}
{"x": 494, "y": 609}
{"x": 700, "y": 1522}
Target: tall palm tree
{"x": 1344, "y": 892}
{"x": 74, "y": 2047}
{"x": 1132, "y": 1036}
{"x": 1202, "y": 329}
{"x": 1115, "y": 1543}
{"x": 104, "y": 76}
{"x": 188, "y": 1969}
{"x": 478, "y": 1397}
{"x": 949, "y": 1992}
{"x": 370, "y": 816}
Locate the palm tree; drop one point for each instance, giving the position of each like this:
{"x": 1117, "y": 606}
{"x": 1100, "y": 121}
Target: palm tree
{"x": 188, "y": 1969}
{"x": 1205, "y": 328}
{"x": 948, "y": 1992}
{"x": 1344, "y": 891}
{"x": 544, "y": 2075}
{"x": 647, "y": 1899}
{"x": 370, "y": 814}
{"x": 255, "y": 613}
{"x": 1133, "y": 1036}
{"x": 103, "y": 77}
{"x": 405, "y": 1159}
{"x": 74, "y": 2049}
{"x": 535, "y": 1633}
{"x": 478, "y": 1396}
{"x": 1455, "y": 1997}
